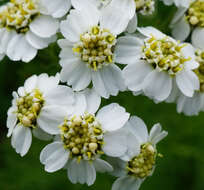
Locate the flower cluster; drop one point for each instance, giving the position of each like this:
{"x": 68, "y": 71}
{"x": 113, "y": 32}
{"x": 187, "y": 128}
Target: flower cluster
{"x": 103, "y": 52}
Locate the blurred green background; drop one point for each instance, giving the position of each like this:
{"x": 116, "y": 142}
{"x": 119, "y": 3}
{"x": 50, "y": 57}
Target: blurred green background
{"x": 182, "y": 167}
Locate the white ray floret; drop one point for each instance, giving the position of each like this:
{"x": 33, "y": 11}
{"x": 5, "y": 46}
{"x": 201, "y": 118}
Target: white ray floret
{"x": 84, "y": 137}
{"x": 188, "y": 20}
{"x": 156, "y": 64}
{"x": 29, "y": 25}
{"x": 36, "y": 106}
{"x": 141, "y": 155}
{"x": 88, "y": 48}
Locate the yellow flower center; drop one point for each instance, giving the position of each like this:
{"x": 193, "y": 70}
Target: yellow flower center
{"x": 145, "y": 6}
{"x": 18, "y": 14}
{"x": 83, "y": 137}
{"x": 141, "y": 166}
{"x": 96, "y": 47}
{"x": 29, "y": 107}
{"x": 195, "y": 14}
{"x": 200, "y": 70}
{"x": 164, "y": 54}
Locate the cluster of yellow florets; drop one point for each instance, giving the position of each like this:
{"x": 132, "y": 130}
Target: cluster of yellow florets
{"x": 141, "y": 166}
{"x": 145, "y": 6}
{"x": 195, "y": 14}
{"x": 200, "y": 70}
{"x": 18, "y": 14}
{"x": 96, "y": 47}
{"x": 29, "y": 107}
{"x": 164, "y": 54}
{"x": 83, "y": 136}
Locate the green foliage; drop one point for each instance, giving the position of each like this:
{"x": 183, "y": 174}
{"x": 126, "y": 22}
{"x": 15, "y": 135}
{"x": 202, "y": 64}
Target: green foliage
{"x": 182, "y": 166}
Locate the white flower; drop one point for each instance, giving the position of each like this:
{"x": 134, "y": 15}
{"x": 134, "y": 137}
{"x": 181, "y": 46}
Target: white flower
{"x": 155, "y": 62}
{"x": 140, "y": 157}
{"x": 27, "y": 26}
{"x": 195, "y": 104}
{"x": 188, "y": 20}
{"x": 178, "y": 3}
{"x": 85, "y": 137}
{"x": 1, "y": 56}
{"x": 35, "y": 107}
{"x": 88, "y": 50}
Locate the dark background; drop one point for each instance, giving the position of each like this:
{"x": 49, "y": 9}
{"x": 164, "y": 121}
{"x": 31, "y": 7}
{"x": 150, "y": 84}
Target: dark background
{"x": 181, "y": 168}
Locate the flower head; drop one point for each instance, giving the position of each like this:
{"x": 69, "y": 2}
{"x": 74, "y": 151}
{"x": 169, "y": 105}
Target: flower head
{"x": 140, "y": 158}
{"x": 84, "y": 137}
{"x": 190, "y": 19}
{"x": 88, "y": 51}
{"x": 29, "y": 25}
{"x": 36, "y": 107}
{"x": 156, "y": 62}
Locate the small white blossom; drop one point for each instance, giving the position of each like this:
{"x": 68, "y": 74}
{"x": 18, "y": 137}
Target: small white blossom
{"x": 27, "y": 26}
{"x": 88, "y": 48}
{"x": 140, "y": 158}
{"x": 84, "y": 137}
{"x": 36, "y": 106}
{"x": 156, "y": 64}
{"x": 188, "y": 20}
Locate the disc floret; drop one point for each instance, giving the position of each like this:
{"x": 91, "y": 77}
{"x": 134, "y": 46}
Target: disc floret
{"x": 18, "y": 14}
{"x": 96, "y": 47}
{"x": 29, "y": 107}
{"x": 83, "y": 137}
{"x": 195, "y": 13}
{"x": 142, "y": 165}
{"x": 164, "y": 54}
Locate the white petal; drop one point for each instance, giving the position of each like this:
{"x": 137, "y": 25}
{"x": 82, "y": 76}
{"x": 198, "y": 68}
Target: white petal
{"x": 44, "y": 26}
{"x": 187, "y": 82}
{"x": 90, "y": 10}
{"x": 83, "y": 172}
{"x": 77, "y": 75}
{"x": 42, "y": 135}
{"x": 135, "y": 74}
{"x": 93, "y": 101}
{"x": 128, "y": 49}
{"x": 46, "y": 83}
{"x": 132, "y": 25}
{"x": 181, "y": 29}
{"x": 129, "y": 183}
{"x": 102, "y": 166}
{"x": 54, "y": 157}
{"x": 38, "y": 42}
{"x": 114, "y": 143}
{"x": 178, "y": 15}
{"x": 138, "y": 128}
{"x": 50, "y": 118}
{"x": 61, "y": 95}
{"x": 112, "y": 117}
{"x": 57, "y": 8}
{"x": 154, "y": 85}
{"x": 21, "y": 139}
{"x": 80, "y": 103}
{"x": 5, "y": 39}
{"x": 149, "y": 31}
{"x": 75, "y": 25}
{"x": 197, "y": 38}
{"x": 20, "y": 49}
{"x": 128, "y": 5}
{"x": 11, "y": 120}
{"x": 30, "y": 83}
{"x": 113, "y": 19}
